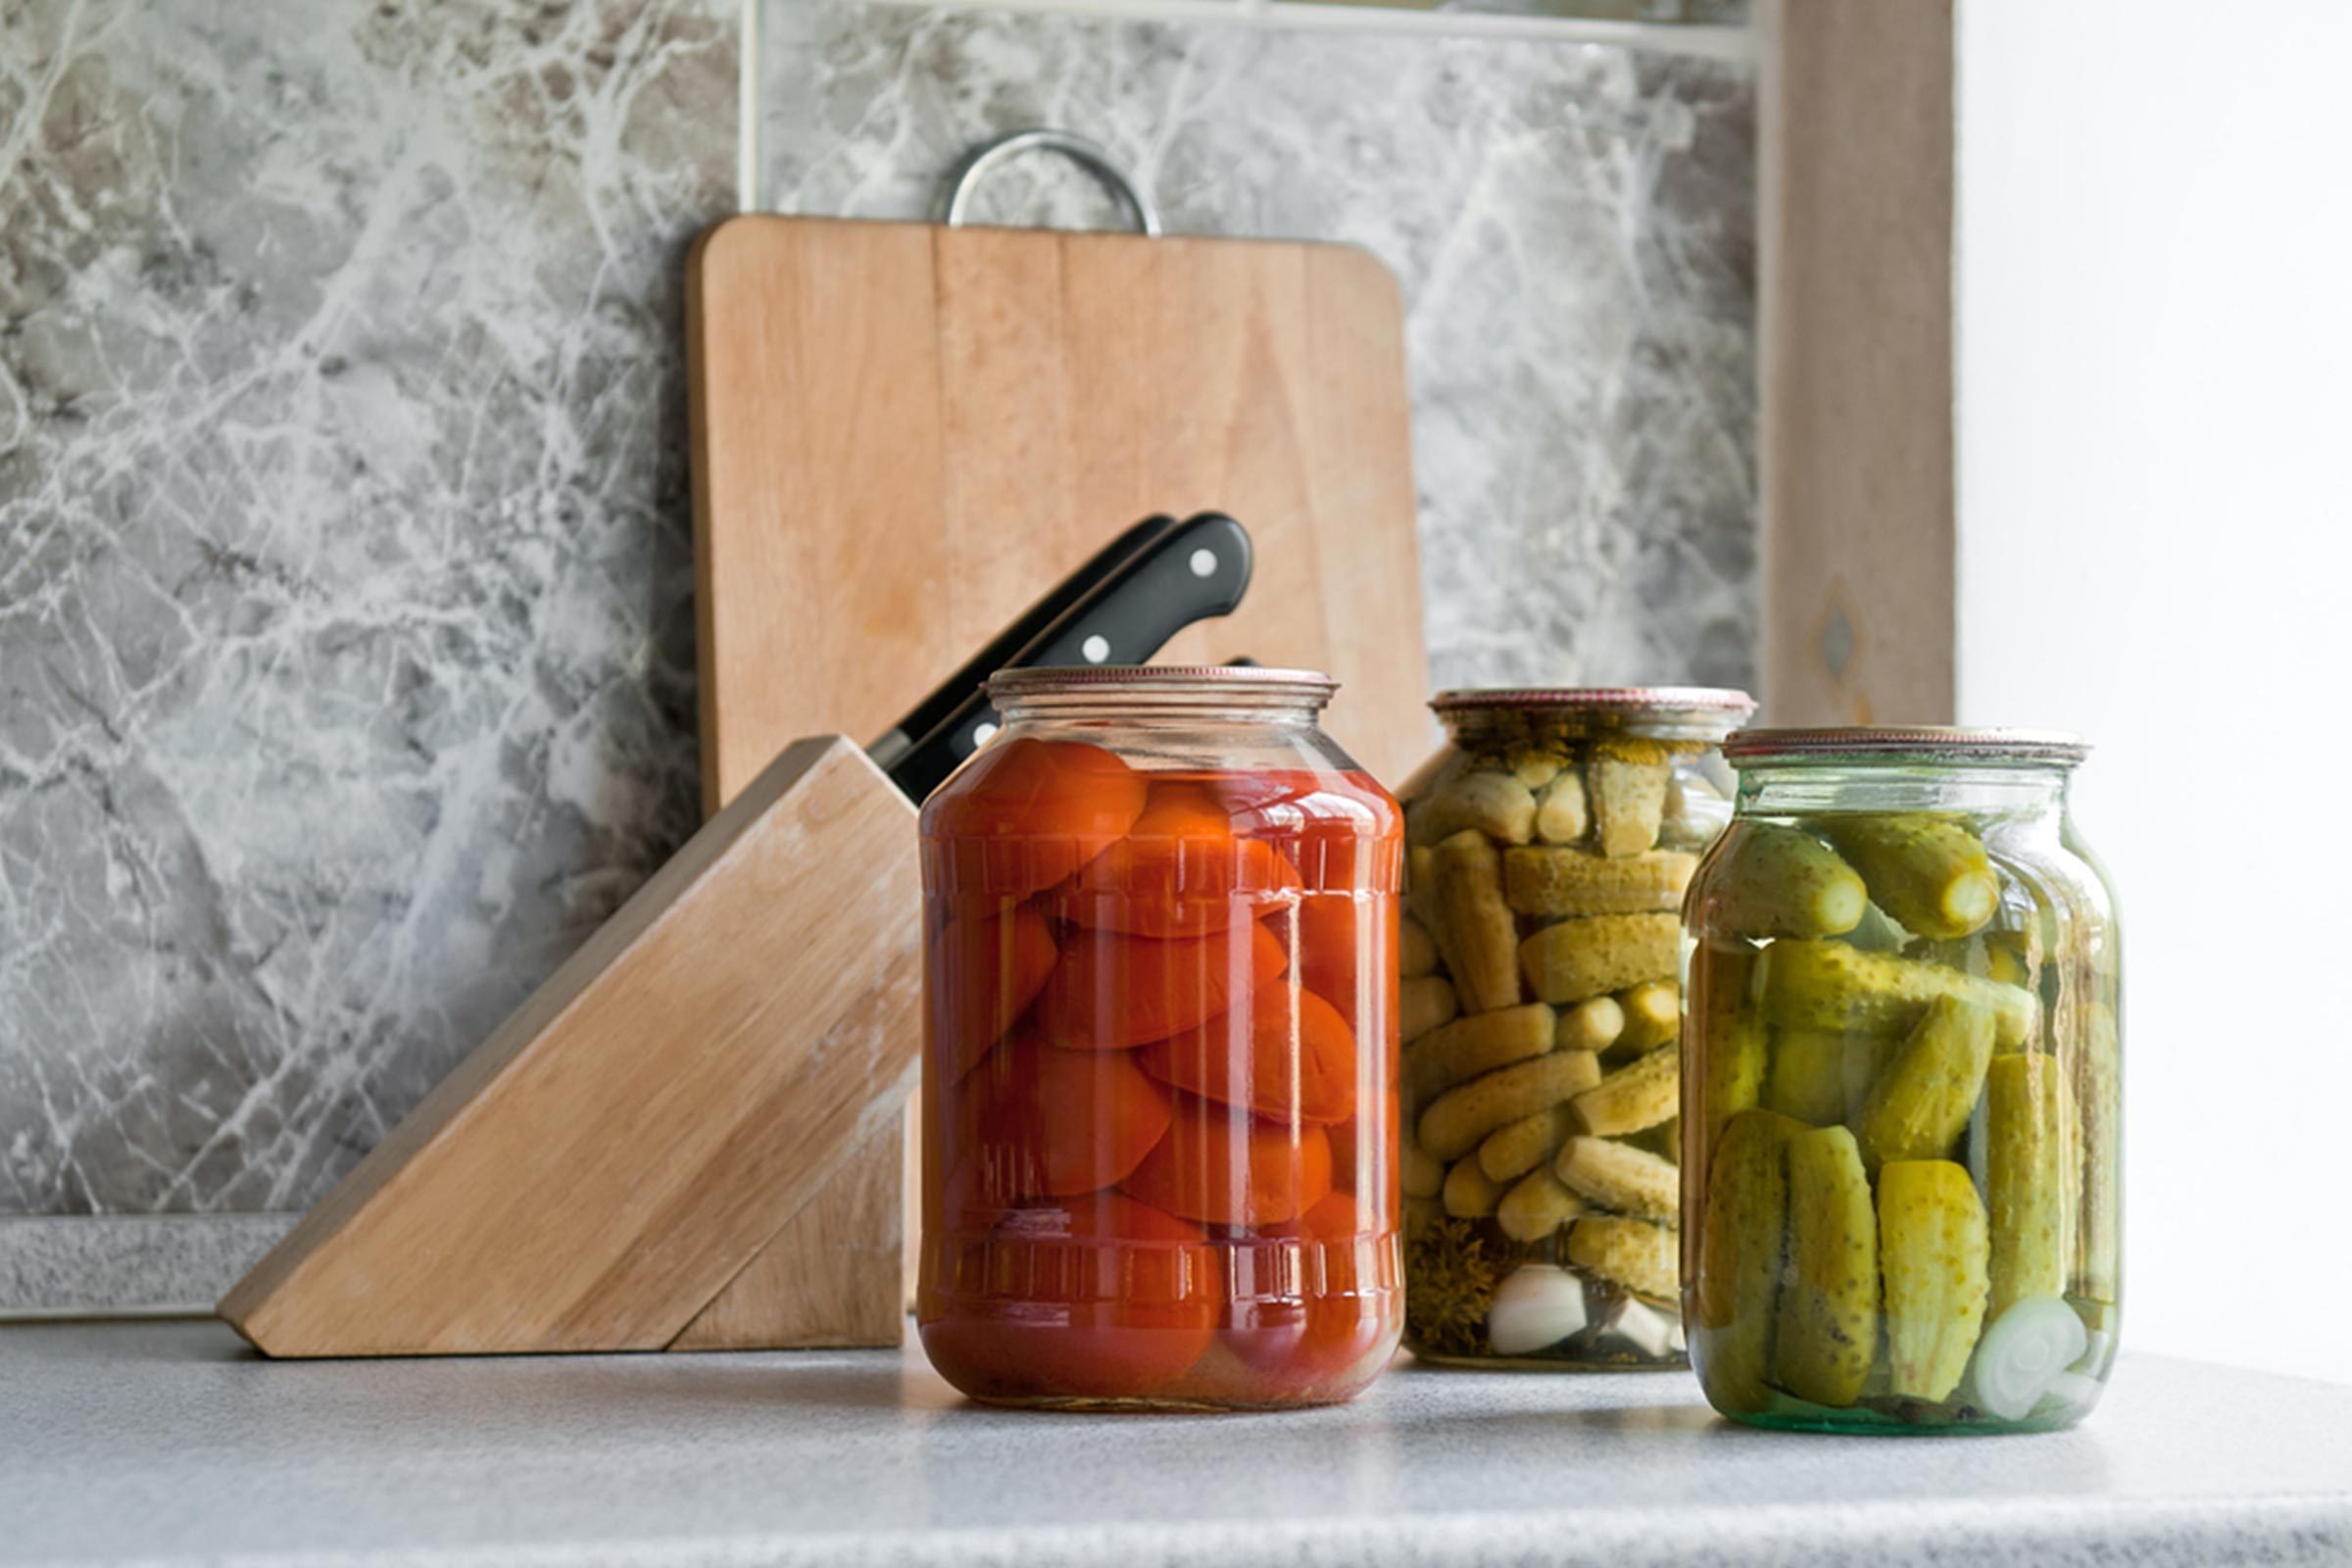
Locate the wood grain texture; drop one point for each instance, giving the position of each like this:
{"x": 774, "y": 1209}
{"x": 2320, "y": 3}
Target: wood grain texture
{"x": 906, "y": 433}
{"x": 595, "y": 1173}
{"x": 828, "y": 1278}
{"x": 1857, "y": 353}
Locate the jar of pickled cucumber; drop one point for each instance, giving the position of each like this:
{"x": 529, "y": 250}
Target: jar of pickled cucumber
{"x": 1549, "y": 845}
{"x": 1900, "y": 1103}
{"x": 1159, "y": 1122}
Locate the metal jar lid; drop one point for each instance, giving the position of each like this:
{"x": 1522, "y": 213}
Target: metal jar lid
{"x": 1674, "y": 713}
{"x": 1620, "y": 698}
{"x": 1034, "y": 679}
{"x": 1931, "y": 742}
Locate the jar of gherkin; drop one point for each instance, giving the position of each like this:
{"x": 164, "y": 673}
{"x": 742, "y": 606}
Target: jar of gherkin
{"x": 1900, "y": 1100}
{"x": 1548, "y": 848}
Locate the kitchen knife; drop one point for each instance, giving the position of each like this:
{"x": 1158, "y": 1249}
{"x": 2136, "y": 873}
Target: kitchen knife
{"x": 1120, "y": 608}
{"x": 958, "y": 689}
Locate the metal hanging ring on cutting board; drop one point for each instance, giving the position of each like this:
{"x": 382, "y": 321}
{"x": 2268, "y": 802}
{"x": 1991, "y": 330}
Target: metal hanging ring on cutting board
{"x": 1093, "y": 159}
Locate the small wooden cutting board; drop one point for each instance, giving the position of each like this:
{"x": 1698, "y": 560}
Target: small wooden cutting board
{"x": 906, "y": 433}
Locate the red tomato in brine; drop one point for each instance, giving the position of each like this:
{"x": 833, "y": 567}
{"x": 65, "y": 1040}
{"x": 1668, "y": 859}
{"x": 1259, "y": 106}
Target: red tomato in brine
{"x": 1039, "y": 1123}
{"x": 1026, "y": 813}
{"x": 985, "y": 970}
{"x": 1178, "y": 872}
{"x": 1118, "y": 1298}
{"x": 1223, "y": 1167}
{"x": 1110, "y": 992}
{"x": 1288, "y": 1055}
{"x": 1336, "y": 1340}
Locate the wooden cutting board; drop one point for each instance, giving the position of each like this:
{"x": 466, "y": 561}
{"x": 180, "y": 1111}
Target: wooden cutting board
{"x": 904, "y": 433}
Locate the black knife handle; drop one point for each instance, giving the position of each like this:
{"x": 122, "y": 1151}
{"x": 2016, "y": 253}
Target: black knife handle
{"x": 1197, "y": 570}
{"x": 959, "y": 689}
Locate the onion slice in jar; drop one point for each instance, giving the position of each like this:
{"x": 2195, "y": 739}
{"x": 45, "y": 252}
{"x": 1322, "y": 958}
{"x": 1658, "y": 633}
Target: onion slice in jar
{"x": 2024, "y": 1352}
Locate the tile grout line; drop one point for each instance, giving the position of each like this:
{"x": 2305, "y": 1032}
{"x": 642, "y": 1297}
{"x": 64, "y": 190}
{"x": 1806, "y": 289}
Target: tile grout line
{"x": 1708, "y": 40}
{"x": 747, "y": 108}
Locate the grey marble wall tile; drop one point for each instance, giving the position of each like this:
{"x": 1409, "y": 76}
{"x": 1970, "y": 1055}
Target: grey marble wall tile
{"x": 1574, "y": 228}
{"x": 346, "y": 653}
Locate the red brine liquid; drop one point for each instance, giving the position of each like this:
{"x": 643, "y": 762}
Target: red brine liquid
{"x": 1160, "y": 1065}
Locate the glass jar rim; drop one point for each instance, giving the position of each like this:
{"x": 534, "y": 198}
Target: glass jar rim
{"x": 1213, "y": 681}
{"x": 1923, "y": 742}
{"x": 1599, "y": 699}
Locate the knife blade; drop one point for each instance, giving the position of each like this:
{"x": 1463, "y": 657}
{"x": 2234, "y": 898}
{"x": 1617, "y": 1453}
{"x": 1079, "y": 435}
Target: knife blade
{"x": 1120, "y": 608}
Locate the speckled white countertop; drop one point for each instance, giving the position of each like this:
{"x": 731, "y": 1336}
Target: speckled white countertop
{"x": 167, "y": 1442}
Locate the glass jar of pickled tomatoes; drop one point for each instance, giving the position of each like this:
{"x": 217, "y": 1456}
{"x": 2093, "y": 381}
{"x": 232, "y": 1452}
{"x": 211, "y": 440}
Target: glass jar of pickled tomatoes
{"x": 1160, "y": 916}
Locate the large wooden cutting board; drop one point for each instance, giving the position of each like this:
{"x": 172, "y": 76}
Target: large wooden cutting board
{"x": 904, "y": 433}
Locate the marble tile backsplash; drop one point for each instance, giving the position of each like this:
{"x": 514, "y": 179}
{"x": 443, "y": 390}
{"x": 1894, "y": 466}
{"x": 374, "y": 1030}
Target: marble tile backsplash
{"x": 1573, "y": 226}
{"x": 346, "y": 646}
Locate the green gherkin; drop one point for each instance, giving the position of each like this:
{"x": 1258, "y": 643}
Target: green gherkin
{"x": 1742, "y": 1240}
{"x": 1807, "y": 1077}
{"x": 2098, "y": 1104}
{"x": 1921, "y": 1104}
{"x": 1827, "y": 1333}
{"x": 2030, "y": 1177}
{"x": 1772, "y": 881}
{"x": 1732, "y": 1033}
{"x": 1932, "y": 1259}
{"x": 1929, "y": 872}
{"x": 1830, "y": 985}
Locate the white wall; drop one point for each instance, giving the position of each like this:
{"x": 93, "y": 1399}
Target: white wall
{"x": 2155, "y": 485}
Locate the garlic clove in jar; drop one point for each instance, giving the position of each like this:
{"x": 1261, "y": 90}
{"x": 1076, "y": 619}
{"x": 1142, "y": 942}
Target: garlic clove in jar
{"x": 1539, "y": 1305}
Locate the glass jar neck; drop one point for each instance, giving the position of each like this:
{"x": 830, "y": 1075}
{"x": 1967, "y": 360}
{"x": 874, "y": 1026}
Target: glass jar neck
{"x": 1477, "y": 728}
{"x": 1795, "y": 789}
{"x": 1189, "y": 709}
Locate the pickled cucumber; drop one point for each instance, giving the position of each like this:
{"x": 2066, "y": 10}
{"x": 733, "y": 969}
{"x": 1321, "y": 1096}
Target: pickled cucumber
{"x": 1632, "y": 1252}
{"x": 1933, "y": 1257}
{"x": 1929, "y": 872}
{"x": 1828, "y": 1327}
{"x": 1470, "y": 1193}
{"x": 1695, "y": 814}
{"x": 1476, "y": 929}
{"x": 1416, "y": 953}
{"x": 1420, "y": 1173}
{"x": 1593, "y": 1024}
{"x": 1830, "y": 985}
{"x": 1618, "y": 1176}
{"x": 1516, "y": 1148}
{"x": 1424, "y": 1003}
{"x": 1625, "y": 785}
{"x": 1865, "y": 1062}
{"x": 1732, "y": 1033}
{"x": 1808, "y": 1076}
{"x": 1653, "y": 1013}
{"x": 1459, "y": 1120}
{"x": 1634, "y": 1098}
{"x": 1537, "y": 1205}
{"x": 2098, "y": 1107}
{"x": 1468, "y": 1047}
{"x": 1579, "y": 958}
{"x": 1560, "y": 816}
{"x": 1921, "y": 1104}
{"x": 2030, "y": 1175}
{"x": 1494, "y": 804}
{"x": 1772, "y": 881}
{"x": 1546, "y": 880}
{"x": 1534, "y": 764}
{"x": 1741, "y": 1242}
